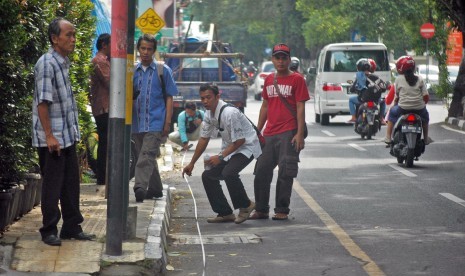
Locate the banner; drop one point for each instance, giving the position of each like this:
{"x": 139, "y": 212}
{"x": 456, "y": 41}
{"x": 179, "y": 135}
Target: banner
{"x": 454, "y": 48}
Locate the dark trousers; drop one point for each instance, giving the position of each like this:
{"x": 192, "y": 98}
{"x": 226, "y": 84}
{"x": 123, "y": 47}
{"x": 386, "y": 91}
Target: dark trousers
{"x": 229, "y": 172}
{"x": 102, "y": 131}
{"x": 60, "y": 183}
{"x": 278, "y": 151}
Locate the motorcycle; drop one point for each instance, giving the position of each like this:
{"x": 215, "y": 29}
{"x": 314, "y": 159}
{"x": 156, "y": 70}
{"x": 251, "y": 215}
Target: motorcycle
{"x": 407, "y": 144}
{"x": 368, "y": 122}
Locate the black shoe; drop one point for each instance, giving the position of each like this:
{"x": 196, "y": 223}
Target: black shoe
{"x": 80, "y": 236}
{"x": 140, "y": 194}
{"x": 52, "y": 240}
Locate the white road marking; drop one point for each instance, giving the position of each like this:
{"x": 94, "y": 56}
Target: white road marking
{"x": 328, "y": 133}
{"x": 370, "y": 267}
{"x": 403, "y": 171}
{"x": 455, "y": 199}
{"x": 357, "y": 147}
{"x": 451, "y": 129}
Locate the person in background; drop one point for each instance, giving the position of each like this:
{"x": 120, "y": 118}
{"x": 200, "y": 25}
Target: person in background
{"x": 365, "y": 71}
{"x": 189, "y": 122}
{"x": 411, "y": 95}
{"x": 55, "y": 132}
{"x": 284, "y": 135}
{"x": 100, "y": 101}
{"x": 151, "y": 119}
{"x": 240, "y": 145}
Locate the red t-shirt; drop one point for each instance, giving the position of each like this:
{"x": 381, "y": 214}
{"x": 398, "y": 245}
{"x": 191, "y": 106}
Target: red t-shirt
{"x": 279, "y": 118}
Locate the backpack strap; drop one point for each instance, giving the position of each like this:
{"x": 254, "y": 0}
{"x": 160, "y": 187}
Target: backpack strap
{"x": 221, "y": 112}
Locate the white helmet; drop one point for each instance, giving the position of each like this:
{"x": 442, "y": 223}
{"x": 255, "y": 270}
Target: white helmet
{"x": 250, "y": 62}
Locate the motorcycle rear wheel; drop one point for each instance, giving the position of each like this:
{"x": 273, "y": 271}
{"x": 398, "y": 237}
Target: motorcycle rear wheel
{"x": 410, "y": 157}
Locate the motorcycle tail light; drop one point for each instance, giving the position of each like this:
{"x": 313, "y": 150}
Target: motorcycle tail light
{"x": 332, "y": 87}
{"x": 411, "y": 118}
{"x": 370, "y": 104}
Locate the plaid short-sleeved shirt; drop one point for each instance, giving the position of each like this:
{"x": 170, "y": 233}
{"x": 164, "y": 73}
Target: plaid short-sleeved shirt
{"x": 53, "y": 86}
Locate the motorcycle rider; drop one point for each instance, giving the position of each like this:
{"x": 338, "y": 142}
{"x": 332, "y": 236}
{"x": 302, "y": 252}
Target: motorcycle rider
{"x": 368, "y": 87}
{"x": 294, "y": 66}
{"x": 411, "y": 96}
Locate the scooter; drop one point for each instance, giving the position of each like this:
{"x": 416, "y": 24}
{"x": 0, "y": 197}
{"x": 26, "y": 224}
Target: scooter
{"x": 407, "y": 144}
{"x": 368, "y": 122}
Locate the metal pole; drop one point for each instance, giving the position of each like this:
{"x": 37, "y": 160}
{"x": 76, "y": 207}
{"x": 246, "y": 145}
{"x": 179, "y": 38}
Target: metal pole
{"x": 114, "y": 236}
{"x": 129, "y": 93}
{"x": 427, "y": 61}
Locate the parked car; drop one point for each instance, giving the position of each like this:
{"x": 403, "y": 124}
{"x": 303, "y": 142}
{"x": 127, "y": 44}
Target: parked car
{"x": 431, "y": 78}
{"x": 266, "y": 68}
{"x": 453, "y": 72}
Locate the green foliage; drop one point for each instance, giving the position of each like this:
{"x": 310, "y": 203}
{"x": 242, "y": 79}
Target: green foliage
{"x": 20, "y": 47}
{"x": 23, "y": 39}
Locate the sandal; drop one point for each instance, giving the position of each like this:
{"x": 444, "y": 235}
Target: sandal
{"x": 280, "y": 216}
{"x": 259, "y": 215}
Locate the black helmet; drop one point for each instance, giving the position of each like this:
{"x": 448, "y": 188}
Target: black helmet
{"x": 363, "y": 65}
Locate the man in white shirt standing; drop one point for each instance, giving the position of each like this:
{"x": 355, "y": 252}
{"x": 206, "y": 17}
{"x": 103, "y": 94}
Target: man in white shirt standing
{"x": 240, "y": 145}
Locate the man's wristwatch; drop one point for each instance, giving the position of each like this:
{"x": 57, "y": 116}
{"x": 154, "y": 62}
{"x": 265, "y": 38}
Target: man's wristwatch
{"x": 220, "y": 156}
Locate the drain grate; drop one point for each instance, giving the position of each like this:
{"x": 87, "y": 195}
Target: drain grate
{"x": 215, "y": 239}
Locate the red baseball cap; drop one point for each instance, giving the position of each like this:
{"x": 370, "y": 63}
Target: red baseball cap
{"x": 281, "y": 49}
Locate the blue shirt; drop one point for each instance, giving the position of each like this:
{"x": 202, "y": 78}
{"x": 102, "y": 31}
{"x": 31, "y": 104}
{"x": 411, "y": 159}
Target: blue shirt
{"x": 53, "y": 86}
{"x": 149, "y": 110}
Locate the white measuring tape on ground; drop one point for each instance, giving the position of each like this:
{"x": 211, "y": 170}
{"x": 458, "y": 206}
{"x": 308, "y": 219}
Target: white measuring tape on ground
{"x": 195, "y": 213}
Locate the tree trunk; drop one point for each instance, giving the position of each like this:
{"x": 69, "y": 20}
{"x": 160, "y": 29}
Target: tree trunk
{"x": 456, "y": 106}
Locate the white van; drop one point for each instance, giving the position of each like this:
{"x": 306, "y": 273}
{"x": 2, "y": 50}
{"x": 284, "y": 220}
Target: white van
{"x": 336, "y": 68}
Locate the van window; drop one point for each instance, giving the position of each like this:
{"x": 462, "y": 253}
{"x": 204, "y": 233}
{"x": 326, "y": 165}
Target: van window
{"x": 195, "y": 63}
{"x": 346, "y": 60}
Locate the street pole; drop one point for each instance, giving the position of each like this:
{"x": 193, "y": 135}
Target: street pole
{"x": 129, "y": 93}
{"x": 114, "y": 235}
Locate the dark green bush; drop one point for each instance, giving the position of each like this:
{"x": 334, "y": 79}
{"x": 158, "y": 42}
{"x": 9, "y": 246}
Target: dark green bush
{"x": 23, "y": 39}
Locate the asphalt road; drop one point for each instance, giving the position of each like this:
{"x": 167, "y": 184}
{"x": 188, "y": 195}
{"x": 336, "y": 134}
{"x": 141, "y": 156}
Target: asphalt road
{"x": 354, "y": 211}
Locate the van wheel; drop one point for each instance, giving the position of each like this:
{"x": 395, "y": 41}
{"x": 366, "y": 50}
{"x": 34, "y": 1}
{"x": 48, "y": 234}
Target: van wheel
{"x": 324, "y": 119}
{"x": 317, "y": 118}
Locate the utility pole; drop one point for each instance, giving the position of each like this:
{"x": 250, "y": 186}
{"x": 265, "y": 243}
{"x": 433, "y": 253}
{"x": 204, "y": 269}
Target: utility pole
{"x": 129, "y": 93}
{"x": 115, "y": 203}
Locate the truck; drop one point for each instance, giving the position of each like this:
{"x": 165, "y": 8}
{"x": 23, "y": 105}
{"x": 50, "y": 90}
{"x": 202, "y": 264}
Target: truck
{"x": 195, "y": 62}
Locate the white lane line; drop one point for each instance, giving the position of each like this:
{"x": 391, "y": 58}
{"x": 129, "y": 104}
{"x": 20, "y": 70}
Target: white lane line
{"x": 370, "y": 267}
{"x": 403, "y": 171}
{"x": 455, "y": 199}
{"x": 451, "y": 129}
{"x": 328, "y": 133}
{"x": 357, "y": 147}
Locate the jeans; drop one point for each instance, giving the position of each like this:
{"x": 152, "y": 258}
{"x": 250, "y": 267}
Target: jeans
{"x": 353, "y": 103}
{"x": 229, "y": 172}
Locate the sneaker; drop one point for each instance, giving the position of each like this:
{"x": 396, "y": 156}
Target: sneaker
{"x": 387, "y": 140}
{"x": 428, "y": 141}
{"x": 244, "y": 213}
{"x": 140, "y": 195}
{"x": 219, "y": 219}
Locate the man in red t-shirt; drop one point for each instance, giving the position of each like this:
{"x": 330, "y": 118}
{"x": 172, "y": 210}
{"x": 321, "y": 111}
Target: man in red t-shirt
{"x": 284, "y": 134}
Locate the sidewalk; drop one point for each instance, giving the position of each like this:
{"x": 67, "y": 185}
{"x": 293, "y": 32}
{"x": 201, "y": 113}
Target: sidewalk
{"x": 23, "y": 253}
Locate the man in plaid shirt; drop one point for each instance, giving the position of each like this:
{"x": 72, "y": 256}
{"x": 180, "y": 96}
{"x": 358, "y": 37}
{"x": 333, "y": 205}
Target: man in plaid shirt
{"x": 55, "y": 133}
